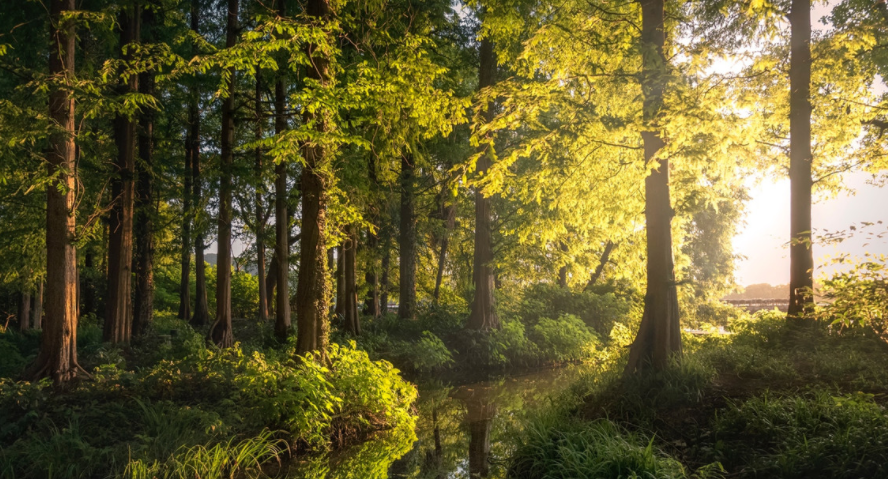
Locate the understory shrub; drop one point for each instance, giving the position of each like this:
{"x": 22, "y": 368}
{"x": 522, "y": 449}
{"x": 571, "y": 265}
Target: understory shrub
{"x": 565, "y": 339}
{"x": 199, "y": 412}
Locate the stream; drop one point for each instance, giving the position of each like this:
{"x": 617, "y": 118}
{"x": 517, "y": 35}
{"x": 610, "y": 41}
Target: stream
{"x": 463, "y": 431}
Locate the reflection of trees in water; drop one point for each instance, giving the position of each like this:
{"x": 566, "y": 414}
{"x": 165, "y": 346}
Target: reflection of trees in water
{"x": 480, "y": 417}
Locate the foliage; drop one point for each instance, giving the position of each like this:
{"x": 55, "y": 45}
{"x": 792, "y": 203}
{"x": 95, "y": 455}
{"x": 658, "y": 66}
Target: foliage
{"x": 565, "y": 339}
{"x": 817, "y": 436}
{"x": 857, "y": 297}
{"x": 191, "y": 410}
{"x": 568, "y": 449}
{"x": 426, "y": 354}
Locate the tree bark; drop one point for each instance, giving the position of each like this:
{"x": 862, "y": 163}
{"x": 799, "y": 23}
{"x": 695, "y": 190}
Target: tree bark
{"x": 483, "y": 316}
{"x": 260, "y": 210}
{"x": 351, "y": 319}
{"x": 118, "y": 315}
{"x": 407, "y": 242}
{"x": 24, "y": 313}
{"x": 605, "y": 257}
{"x": 221, "y": 332}
{"x": 801, "y": 254}
{"x": 57, "y": 358}
{"x": 562, "y": 271}
{"x": 339, "y": 307}
{"x": 282, "y": 320}
{"x": 144, "y": 255}
{"x": 448, "y": 215}
{"x": 659, "y": 336}
{"x": 37, "y": 311}
{"x": 88, "y": 285}
{"x": 312, "y": 293}
{"x": 384, "y": 281}
{"x": 192, "y": 149}
{"x": 371, "y": 277}
{"x": 201, "y": 314}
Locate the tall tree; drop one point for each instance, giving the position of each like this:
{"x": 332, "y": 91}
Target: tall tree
{"x": 282, "y": 319}
{"x": 258, "y": 168}
{"x": 57, "y": 358}
{"x": 801, "y": 254}
{"x": 201, "y": 314}
{"x": 483, "y": 316}
{"x": 221, "y": 332}
{"x": 312, "y": 289}
{"x": 143, "y": 310}
{"x": 407, "y": 241}
{"x": 659, "y": 336}
{"x": 118, "y": 313}
{"x": 188, "y": 211}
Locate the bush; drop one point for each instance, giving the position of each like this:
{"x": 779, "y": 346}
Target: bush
{"x": 598, "y": 311}
{"x": 566, "y": 339}
{"x": 427, "y": 354}
{"x": 197, "y": 411}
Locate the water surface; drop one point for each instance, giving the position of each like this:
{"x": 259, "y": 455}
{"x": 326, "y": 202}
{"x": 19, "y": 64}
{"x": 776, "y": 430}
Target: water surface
{"x": 463, "y": 431}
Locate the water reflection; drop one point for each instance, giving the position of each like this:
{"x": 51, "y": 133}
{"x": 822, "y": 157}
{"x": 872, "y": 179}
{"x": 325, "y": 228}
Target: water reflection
{"x": 462, "y": 432}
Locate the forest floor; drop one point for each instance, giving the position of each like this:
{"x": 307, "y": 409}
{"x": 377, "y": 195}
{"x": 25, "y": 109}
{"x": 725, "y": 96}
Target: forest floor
{"x": 768, "y": 401}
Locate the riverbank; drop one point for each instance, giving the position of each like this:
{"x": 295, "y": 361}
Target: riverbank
{"x": 767, "y": 401}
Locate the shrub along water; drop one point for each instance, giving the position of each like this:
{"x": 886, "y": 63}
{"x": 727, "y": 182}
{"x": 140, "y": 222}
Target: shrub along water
{"x": 193, "y": 411}
{"x": 768, "y": 400}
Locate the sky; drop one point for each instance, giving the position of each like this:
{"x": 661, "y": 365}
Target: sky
{"x": 764, "y": 238}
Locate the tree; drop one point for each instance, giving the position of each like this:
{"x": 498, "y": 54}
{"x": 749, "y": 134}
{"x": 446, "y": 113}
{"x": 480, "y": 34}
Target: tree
{"x": 801, "y": 254}
{"x": 57, "y": 358}
{"x": 311, "y": 289}
{"x": 118, "y": 314}
{"x": 221, "y": 332}
{"x": 351, "y": 319}
{"x": 483, "y": 316}
{"x": 143, "y": 310}
{"x": 407, "y": 241}
{"x": 260, "y": 216}
{"x": 659, "y": 336}
{"x": 282, "y": 321}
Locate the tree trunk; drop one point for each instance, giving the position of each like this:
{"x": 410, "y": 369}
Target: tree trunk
{"x": 221, "y": 332}
{"x": 88, "y": 286}
{"x": 351, "y": 319}
{"x": 260, "y": 213}
{"x": 605, "y": 257}
{"x": 801, "y": 254}
{"x": 371, "y": 302}
{"x": 384, "y": 281}
{"x": 371, "y": 277}
{"x": 118, "y": 315}
{"x": 562, "y": 271}
{"x": 192, "y": 150}
{"x": 312, "y": 289}
{"x": 37, "y": 311}
{"x": 659, "y": 336}
{"x": 407, "y": 242}
{"x": 57, "y": 358}
{"x": 144, "y": 297}
{"x": 483, "y": 316}
{"x": 282, "y": 320}
{"x": 271, "y": 282}
{"x": 24, "y": 313}
{"x": 448, "y": 215}
{"x": 339, "y": 307}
